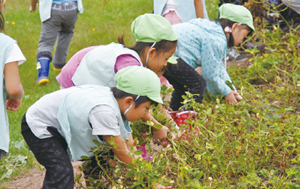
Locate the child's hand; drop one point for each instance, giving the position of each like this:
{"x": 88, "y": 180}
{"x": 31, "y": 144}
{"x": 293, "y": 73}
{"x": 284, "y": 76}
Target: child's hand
{"x": 13, "y": 104}
{"x": 161, "y": 134}
{"x": 33, "y": 8}
{"x": 231, "y": 97}
{"x": 237, "y": 96}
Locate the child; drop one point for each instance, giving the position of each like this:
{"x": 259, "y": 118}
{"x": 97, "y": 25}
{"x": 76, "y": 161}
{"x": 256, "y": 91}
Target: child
{"x": 156, "y": 43}
{"x": 58, "y": 21}
{"x": 61, "y": 125}
{"x": 11, "y": 87}
{"x": 177, "y": 11}
{"x": 204, "y": 43}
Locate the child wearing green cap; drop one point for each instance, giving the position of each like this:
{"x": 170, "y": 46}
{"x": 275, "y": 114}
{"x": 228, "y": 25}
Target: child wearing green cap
{"x": 155, "y": 45}
{"x": 62, "y": 125}
{"x": 177, "y": 11}
{"x": 203, "y": 43}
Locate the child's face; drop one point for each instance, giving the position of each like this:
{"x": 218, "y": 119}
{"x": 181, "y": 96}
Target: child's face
{"x": 157, "y": 62}
{"x": 135, "y": 114}
{"x": 239, "y": 34}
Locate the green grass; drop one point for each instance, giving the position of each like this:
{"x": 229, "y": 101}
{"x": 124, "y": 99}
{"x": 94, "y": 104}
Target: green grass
{"x": 248, "y": 145}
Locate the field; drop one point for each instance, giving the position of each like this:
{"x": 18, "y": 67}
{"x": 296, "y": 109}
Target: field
{"x": 252, "y": 144}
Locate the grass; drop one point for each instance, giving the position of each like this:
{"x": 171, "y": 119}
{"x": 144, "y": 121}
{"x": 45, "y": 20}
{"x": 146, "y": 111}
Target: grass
{"x": 253, "y": 144}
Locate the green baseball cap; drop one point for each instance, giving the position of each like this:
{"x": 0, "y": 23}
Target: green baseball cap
{"x": 152, "y": 28}
{"x": 237, "y": 13}
{"x": 138, "y": 80}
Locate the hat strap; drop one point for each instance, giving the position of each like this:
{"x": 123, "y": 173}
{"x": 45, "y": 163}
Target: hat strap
{"x": 131, "y": 105}
{"x": 148, "y": 53}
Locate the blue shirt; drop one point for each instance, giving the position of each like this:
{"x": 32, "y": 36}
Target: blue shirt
{"x": 202, "y": 43}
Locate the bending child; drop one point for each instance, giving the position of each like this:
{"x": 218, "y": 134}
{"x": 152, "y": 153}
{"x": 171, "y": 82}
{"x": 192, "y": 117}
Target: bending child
{"x": 89, "y": 112}
{"x": 176, "y": 11}
{"x": 11, "y": 88}
{"x": 156, "y": 43}
{"x": 203, "y": 43}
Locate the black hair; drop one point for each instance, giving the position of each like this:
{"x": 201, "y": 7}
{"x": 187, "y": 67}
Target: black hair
{"x": 139, "y": 47}
{"x": 120, "y": 94}
{"x": 226, "y": 22}
{"x": 2, "y": 21}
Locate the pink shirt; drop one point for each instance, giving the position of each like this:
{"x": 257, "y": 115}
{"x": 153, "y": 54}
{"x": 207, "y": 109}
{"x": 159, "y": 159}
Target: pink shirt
{"x": 65, "y": 77}
{"x": 66, "y": 74}
{"x": 126, "y": 60}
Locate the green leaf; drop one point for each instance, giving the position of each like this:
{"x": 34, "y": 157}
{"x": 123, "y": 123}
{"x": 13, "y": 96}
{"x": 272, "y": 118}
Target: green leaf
{"x": 138, "y": 152}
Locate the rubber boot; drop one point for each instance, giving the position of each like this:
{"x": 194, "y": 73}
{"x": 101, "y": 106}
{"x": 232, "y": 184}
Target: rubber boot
{"x": 57, "y": 69}
{"x": 43, "y": 67}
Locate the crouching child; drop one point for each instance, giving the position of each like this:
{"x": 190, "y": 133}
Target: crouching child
{"x": 61, "y": 126}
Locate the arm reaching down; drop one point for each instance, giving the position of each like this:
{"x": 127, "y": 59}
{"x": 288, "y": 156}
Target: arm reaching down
{"x": 13, "y": 86}
{"x": 119, "y": 148}
{"x": 160, "y": 134}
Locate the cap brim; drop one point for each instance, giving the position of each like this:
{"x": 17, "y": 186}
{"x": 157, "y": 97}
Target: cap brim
{"x": 173, "y": 37}
{"x": 157, "y": 99}
{"x": 172, "y": 60}
{"x": 252, "y": 27}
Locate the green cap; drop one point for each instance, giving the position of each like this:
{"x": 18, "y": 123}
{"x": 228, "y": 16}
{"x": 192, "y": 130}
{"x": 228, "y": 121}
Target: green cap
{"x": 140, "y": 81}
{"x": 152, "y": 28}
{"x": 172, "y": 60}
{"x": 237, "y": 13}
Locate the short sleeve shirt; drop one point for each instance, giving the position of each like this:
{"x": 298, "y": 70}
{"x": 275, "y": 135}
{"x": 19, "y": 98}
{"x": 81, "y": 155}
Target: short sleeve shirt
{"x": 15, "y": 55}
{"x": 104, "y": 121}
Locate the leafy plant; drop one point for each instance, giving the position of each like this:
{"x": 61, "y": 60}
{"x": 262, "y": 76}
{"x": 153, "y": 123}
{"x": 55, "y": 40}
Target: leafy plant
{"x": 252, "y": 144}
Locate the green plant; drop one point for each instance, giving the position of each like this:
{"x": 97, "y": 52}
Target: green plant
{"x": 251, "y": 144}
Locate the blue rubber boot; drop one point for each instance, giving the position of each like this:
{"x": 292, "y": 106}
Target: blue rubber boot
{"x": 43, "y": 67}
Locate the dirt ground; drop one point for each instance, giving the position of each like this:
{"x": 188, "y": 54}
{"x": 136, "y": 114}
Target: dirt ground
{"x": 33, "y": 179}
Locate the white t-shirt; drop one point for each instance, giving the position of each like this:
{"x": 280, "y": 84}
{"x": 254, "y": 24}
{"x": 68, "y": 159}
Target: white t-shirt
{"x": 43, "y": 113}
{"x": 104, "y": 121}
{"x": 15, "y": 55}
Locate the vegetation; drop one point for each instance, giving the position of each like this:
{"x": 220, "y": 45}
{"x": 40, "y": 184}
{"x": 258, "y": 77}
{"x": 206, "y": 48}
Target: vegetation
{"x": 252, "y": 144}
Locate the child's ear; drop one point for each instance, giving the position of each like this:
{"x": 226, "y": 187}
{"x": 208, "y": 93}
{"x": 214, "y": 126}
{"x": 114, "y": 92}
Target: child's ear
{"x": 152, "y": 51}
{"x": 234, "y": 26}
{"x": 128, "y": 101}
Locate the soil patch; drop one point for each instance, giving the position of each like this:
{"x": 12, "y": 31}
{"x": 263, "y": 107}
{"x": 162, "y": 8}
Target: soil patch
{"x": 33, "y": 179}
